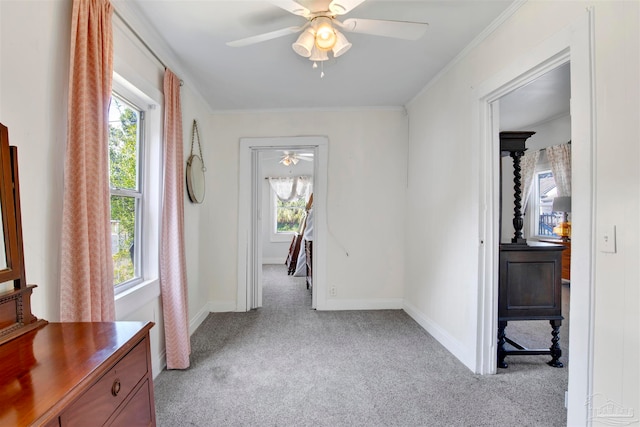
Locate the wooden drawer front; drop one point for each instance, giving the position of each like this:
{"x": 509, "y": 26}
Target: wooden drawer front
{"x": 101, "y": 400}
{"x": 137, "y": 412}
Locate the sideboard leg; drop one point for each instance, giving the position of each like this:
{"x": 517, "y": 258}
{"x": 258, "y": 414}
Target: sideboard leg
{"x": 555, "y": 350}
{"x": 501, "y": 340}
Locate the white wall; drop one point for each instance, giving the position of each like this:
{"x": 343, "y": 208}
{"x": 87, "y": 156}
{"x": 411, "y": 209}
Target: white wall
{"x": 34, "y": 52}
{"x": 34, "y": 68}
{"x": 365, "y": 200}
{"x": 441, "y": 286}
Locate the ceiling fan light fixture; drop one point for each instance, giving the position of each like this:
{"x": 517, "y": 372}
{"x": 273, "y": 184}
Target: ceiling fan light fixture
{"x": 342, "y": 45}
{"x": 341, "y": 7}
{"x": 304, "y": 45}
{"x": 289, "y": 159}
{"x": 326, "y": 36}
{"x": 318, "y": 54}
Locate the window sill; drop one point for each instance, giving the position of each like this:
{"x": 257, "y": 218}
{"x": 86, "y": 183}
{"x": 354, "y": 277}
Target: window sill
{"x": 136, "y": 297}
{"x": 282, "y": 237}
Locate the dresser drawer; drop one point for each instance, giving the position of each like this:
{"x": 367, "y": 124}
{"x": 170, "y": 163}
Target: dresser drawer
{"x": 137, "y": 412}
{"x": 102, "y": 399}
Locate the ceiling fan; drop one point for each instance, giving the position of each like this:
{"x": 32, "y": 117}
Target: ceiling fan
{"x": 320, "y": 34}
{"x": 292, "y": 158}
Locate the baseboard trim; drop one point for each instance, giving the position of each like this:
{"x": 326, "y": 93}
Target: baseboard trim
{"x": 454, "y": 346}
{"x": 221, "y": 306}
{"x": 198, "y": 319}
{"x": 373, "y": 304}
{"x": 158, "y": 364}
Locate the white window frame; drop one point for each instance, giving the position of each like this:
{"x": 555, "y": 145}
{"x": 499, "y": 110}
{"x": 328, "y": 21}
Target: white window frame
{"x": 534, "y": 206}
{"x": 274, "y": 235}
{"x": 149, "y": 172}
{"x": 137, "y": 194}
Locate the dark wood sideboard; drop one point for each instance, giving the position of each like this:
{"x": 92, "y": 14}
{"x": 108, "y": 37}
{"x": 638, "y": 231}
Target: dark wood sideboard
{"x": 530, "y": 288}
{"x": 530, "y": 283}
{"x": 78, "y": 374}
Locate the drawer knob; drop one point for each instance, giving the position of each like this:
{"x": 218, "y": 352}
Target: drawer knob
{"x": 115, "y": 388}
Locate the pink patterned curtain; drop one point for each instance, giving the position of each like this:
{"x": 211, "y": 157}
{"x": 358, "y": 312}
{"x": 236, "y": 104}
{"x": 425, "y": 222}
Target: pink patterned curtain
{"x": 173, "y": 270}
{"x": 86, "y": 273}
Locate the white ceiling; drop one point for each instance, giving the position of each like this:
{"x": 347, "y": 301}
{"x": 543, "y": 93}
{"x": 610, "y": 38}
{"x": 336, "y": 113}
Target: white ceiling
{"x": 545, "y": 98}
{"x": 375, "y": 72}
{"x": 191, "y": 35}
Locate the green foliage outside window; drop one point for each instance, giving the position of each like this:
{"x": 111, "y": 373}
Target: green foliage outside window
{"x": 123, "y": 175}
{"x": 290, "y": 215}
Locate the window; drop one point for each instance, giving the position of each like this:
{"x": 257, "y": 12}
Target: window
{"x": 544, "y": 191}
{"x": 288, "y": 216}
{"x": 126, "y": 132}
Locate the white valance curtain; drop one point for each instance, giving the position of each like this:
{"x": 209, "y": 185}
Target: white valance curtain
{"x": 559, "y": 157}
{"x": 288, "y": 189}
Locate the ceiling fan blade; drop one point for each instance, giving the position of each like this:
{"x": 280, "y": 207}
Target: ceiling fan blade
{"x": 292, "y": 7}
{"x": 264, "y": 37}
{"x": 396, "y": 29}
{"x": 342, "y": 7}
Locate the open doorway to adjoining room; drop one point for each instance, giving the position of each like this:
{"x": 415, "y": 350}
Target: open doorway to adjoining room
{"x": 286, "y": 180}
{"x": 254, "y": 189}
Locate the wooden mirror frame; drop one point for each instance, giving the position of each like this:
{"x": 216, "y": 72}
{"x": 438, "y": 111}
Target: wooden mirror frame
{"x": 15, "y": 305}
{"x": 9, "y": 227}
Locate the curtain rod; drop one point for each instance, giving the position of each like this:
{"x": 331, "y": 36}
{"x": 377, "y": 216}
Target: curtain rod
{"x": 294, "y": 176}
{"x": 135, "y": 33}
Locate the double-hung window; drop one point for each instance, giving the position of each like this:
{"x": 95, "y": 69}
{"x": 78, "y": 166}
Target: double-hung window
{"x": 288, "y": 216}
{"x": 126, "y": 157}
{"x": 544, "y": 191}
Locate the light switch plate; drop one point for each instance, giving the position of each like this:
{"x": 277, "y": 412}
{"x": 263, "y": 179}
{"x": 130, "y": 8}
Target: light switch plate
{"x": 608, "y": 239}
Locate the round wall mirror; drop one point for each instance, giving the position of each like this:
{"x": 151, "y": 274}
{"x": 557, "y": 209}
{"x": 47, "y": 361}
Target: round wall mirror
{"x": 195, "y": 179}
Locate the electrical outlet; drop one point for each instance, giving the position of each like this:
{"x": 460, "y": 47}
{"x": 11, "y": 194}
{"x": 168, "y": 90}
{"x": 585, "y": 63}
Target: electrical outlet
{"x": 608, "y": 239}
{"x": 333, "y": 292}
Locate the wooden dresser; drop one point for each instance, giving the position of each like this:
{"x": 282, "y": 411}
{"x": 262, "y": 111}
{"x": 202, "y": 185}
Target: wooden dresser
{"x": 62, "y": 374}
{"x": 78, "y": 374}
{"x": 566, "y": 256}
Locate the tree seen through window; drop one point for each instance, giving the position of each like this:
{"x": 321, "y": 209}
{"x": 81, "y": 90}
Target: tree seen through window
{"x": 124, "y": 135}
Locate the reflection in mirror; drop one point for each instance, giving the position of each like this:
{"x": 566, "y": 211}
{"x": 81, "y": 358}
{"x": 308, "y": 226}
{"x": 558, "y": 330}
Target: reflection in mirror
{"x": 11, "y": 254}
{"x": 195, "y": 179}
{"x": 3, "y": 252}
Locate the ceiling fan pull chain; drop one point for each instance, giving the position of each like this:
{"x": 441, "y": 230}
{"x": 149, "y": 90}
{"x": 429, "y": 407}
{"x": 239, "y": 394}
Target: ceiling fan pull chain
{"x": 194, "y": 134}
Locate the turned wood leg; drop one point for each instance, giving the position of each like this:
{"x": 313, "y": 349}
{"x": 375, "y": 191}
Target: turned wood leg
{"x": 501, "y": 340}
{"x": 555, "y": 350}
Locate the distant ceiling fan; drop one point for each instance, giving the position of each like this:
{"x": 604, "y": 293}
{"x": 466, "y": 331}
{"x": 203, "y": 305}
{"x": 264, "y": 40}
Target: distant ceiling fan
{"x": 291, "y": 158}
{"x": 320, "y": 33}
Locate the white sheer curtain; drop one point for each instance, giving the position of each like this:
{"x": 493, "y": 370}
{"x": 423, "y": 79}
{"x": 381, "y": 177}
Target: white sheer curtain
{"x": 528, "y": 169}
{"x": 289, "y": 189}
{"x": 560, "y": 159}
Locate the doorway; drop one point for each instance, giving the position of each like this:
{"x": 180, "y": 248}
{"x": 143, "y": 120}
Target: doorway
{"x": 542, "y": 108}
{"x": 250, "y": 217}
{"x": 571, "y": 44}
{"x": 286, "y": 186}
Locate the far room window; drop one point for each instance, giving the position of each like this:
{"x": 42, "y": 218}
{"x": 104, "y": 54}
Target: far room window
{"x": 288, "y": 215}
{"x": 125, "y": 160}
{"x": 544, "y": 192}
{"x": 288, "y": 200}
